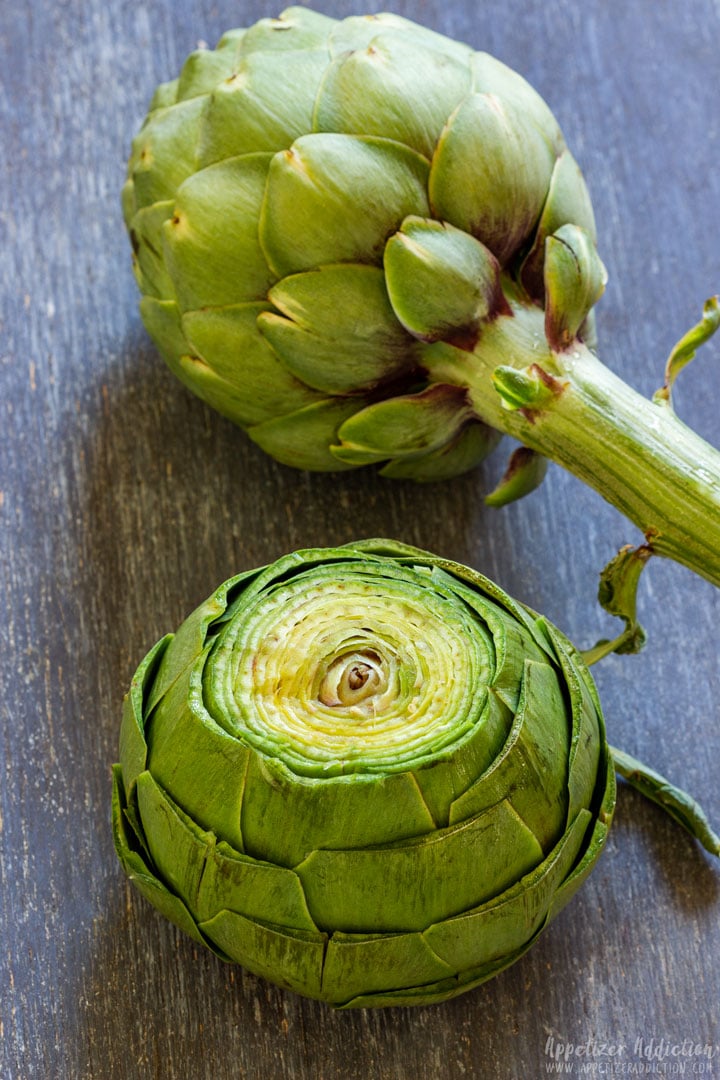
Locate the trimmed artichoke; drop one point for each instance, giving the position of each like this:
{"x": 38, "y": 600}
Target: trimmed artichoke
{"x": 364, "y": 773}
{"x": 366, "y": 243}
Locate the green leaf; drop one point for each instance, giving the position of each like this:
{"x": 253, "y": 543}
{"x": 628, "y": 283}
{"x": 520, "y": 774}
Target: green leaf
{"x": 286, "y": 816}
{"x": 163, "y": 153}
{"x": 574, "y": 281}
{"x": 404, "y": 426}
{"x": 491, "y": 76}
{"x": 529, "y": 771}
{"x": 205, "y": 68}
{"x": 264, "y": 105}
{"x": 500, "y": 927}
{"x": 146, "y": 236}
{"x": 216, "y": 259}
{"x": 213, "y": 795}
{"x": 133, "y": 747}
{"x": 409, "y": 886}
{"x": 362, "y": 964}
{"x": 423, "y": 85}
{"x": 292, "y": 959}
{"x": 567, "y": 203}
{"x": 336, "y": 198}
{"x": 441, "y": 281}
{"x": 674, "y": 801}
{"x": 617, "y": 594}
{"x": 363, "y": 31}
{"x": 296, "y": 28}
{"x": 471, "y": 445}
{"x": 143, "y": 877}
{"x": 304, "y": 438}
{"x": 491, "y": 173}
{"x": 339, "y": 332}
{"x": 687, "y": 346}
{"x": 229, "y": 342}
{"x": 528, "y": 389}
{"x": 525, "y": 472}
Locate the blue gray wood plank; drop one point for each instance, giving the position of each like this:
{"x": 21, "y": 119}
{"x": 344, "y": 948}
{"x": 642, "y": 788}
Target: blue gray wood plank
{"x": 123, "y": 502}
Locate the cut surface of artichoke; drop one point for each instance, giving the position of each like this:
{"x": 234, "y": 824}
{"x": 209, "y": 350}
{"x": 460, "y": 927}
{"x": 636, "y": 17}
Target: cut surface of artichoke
{"x": 364, "y": 773}
{"x": 283, "y": 675}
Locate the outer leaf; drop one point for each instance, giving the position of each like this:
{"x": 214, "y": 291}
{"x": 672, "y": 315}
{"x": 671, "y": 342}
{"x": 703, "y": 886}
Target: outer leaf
{"x": 336, "y": 198}
{"x": 405, "y": 426}
{"x": 423, "y": 85}
{"x": 442, "y": 282}
{"x": 409, "y": 886}
{"x": 491, "y": 173}
{"x": 264, "y": 105}
{"x": 339, "y": 332}
{"x": 216, "y": 259}
{"x": 229, "y": 342}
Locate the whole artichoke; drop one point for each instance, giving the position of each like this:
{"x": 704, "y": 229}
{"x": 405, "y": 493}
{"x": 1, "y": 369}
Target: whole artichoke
{"x": 364, "y": 773}
{"x": 366, "y": 243}
{"x": 314, "y": 203}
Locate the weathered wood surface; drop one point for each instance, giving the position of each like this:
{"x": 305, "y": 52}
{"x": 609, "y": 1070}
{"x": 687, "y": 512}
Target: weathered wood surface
{"x": 123, "y": 502}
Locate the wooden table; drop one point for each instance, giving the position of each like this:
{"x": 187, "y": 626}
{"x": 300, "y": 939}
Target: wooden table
{"x": 124, "y": 501}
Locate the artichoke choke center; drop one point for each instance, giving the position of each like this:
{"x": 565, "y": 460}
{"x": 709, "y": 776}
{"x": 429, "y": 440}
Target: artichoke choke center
{"x": 354, "y": 678}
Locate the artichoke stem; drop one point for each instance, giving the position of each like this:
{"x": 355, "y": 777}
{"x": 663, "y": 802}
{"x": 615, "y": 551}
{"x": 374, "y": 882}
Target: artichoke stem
{"x": 636, "y": 453}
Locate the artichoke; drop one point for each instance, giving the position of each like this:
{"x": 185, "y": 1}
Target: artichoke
{"x": 366, "y": 243}
{"x": 364, "y": 773}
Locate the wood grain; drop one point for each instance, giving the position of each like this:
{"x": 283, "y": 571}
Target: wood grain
{"x": 124, "y": 501}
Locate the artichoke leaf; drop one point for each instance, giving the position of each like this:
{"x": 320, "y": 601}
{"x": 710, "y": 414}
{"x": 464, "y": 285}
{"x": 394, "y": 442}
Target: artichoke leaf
{"x": 405, "y": 426}
{"x": 285, "y": 817}
{"x": 147, "y": 884}
{"x": 584, "y": 760}
{"x": 261, "y": 106}
{"x": 442, "y": 282}
{"x": 444, "y": 782}
{"x": 525, "y": 472}
{"x": 304, "y": 438}
{"x": 296, "y": 28}
{"x": 339, "y": 333}
{"x": 568, "y": 202}
{"x": 146, "y": 234}
{"x": 165, "y": 94}
{"x": 395, "y": 88}
{"x": 491, "y": 76}
{"x": 161, "y": 319}
{"x": 211, "y": 876}
{"x": 531, "y": 770}
{"x": 490, "y": 173}
{"x": 291, "y": 958}
{"x": 212, "y": 798}
{"x": 215, "y": 259}
{"x": 336, "y": 198}
{"x": 506, "y": 923}
{"x": 574, "y": 280}
{"x": 363, "y": 31}
{"x": 366, "y": 964}
{"x": 133, "y": 747}
{"x": 163, "y": 153}
{"x": 205, "y": 68}
{"x": 594, "y": 844}
{"x": 412, "y": 884}
{"x": 230, "y": 343}
{"x": 471, "y": 445}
